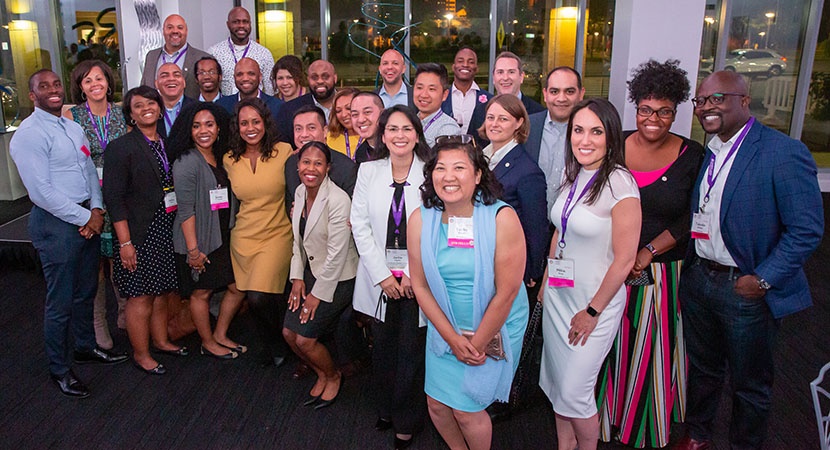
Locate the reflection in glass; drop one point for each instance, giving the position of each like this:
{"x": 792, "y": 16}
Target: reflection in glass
{"x": 89, "y": 32}
{"x": 816, "y": 132}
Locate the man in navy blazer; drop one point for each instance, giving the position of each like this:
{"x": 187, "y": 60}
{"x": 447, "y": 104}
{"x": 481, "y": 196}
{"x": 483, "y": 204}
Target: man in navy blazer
{"x": 546, "y": 142}
{"x": 170, "y": 82}
{"x": 322, "y": 82}
{"x": 467, "y": 101}
{"x": 247, "y": 76}
{"x": 508, "y": 76}
{"x": 757, "y": 217}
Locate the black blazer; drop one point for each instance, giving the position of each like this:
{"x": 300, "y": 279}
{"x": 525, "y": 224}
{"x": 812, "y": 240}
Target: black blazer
{"x": 133, "y": 186}
{"x": 162, "y": 130}
{"x": 191, "y": 87}
{"x": 285, "y": 118}
{"x": 274, "y": 104}
{"x": 477, "y": 119}
{"x": 532, "y": 106}
{"x": 363, "y": 153}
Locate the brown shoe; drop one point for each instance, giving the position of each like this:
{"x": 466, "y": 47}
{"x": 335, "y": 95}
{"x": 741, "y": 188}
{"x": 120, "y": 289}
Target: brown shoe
{"x": 687, "y": 443}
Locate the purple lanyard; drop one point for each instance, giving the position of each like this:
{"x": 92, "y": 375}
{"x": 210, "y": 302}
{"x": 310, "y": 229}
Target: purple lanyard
{"x": 566, "y": 213}
{"x": 181, "y": 53}
{"x": 103, "y": 138}
{"x": 711, "y": 176}
{"x": 162, "y": 155}
{"x": 349, "y": 145}
{"x": 440, "y": 113}
{"x": 233, "y": 52}
{"x": 167, "y": 118}
{"x": 397, "y": 212}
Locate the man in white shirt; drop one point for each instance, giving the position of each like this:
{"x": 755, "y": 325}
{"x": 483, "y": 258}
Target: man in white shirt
{"x": 393, "y": 91}
{"x": 467, "y": 101}
{"x": 430, "y": 91}
{"x": 175, "y": 50}
{"x": 240, "y": 45}
{"x": 508, "y": 76}
{"x": 548, "y": 129}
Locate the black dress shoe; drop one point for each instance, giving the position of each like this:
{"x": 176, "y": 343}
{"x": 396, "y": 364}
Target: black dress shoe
{"x": 70, "y": 385}
{"x": 181, "y": 351}
{"x": 238, "y": 349}
{"x": 99, "y": 356}
{"x": 158, "y": 370}
{"x": 230, "y": 355}
{"x": 383, "y": 424}
{"x": 401, "y": 444}
{"x": 326, "y": 403}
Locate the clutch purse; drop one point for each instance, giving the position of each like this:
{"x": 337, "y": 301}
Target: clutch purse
{"x": 494, "y": 349}
{"x": 645, "y": 278}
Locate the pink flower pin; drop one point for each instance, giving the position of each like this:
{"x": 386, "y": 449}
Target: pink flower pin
{"x": 482, "y": 98}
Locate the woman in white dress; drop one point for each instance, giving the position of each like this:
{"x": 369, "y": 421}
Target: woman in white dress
{"x": 597, "y": 218}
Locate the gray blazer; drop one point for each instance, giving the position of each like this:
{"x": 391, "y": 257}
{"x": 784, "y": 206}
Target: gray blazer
{"x": 193, "y": 179}
{"x": 327, "y": 244}
{"x": 191, "y": 88}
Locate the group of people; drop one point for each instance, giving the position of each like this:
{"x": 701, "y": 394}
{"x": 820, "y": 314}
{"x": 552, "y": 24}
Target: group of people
{"x": 439, "y": 213}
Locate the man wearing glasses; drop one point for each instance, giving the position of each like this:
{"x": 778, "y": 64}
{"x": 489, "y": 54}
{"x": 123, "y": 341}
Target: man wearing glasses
{"x": 208, "y": 76}
{"x": 175, "y": 50}
{"x": 757, "y": 216}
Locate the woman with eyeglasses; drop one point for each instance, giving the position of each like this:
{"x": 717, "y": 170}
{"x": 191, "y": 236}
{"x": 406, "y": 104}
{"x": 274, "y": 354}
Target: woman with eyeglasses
{"x": 506, "y": 126}
{"x": 644, "y": 375}
{"x": 467, "y": 260}
{"x": 384, "y": 196}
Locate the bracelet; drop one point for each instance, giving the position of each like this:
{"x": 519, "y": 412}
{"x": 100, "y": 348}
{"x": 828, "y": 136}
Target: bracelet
{"x": 125, "y": 244}
{"x": 194, "y": 249}
{"x": 651, "y": 248}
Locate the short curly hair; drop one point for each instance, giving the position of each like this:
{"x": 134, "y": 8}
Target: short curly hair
{"x": 657, "y": 80}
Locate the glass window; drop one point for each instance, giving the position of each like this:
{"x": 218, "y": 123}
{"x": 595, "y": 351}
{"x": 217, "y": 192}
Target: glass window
{"x": 599, "y": 37}
{"x": 290, "y": 27}
{"x": 522, "y": 30}
{"x": 816, "y": 132}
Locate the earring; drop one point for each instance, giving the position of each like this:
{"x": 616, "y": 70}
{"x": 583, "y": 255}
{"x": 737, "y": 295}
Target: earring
{"x": 83, "y": 95}
{"x": 109, "y": 90}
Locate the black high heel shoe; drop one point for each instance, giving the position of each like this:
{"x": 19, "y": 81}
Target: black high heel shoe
{"x": 401, "y": 444}
{"x": 326, "y": 403}
{"x": 227, "y": 356}
{"x": 312, "y": 400}
{"x": 383, "y": 424}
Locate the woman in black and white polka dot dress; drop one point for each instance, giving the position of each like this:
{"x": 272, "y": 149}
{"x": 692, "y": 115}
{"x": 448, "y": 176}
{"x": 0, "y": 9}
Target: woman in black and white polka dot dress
{"x": 138, "y": 188}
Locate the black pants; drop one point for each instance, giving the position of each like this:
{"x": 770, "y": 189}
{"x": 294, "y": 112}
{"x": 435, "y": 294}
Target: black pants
{"x": 398, "y": 366}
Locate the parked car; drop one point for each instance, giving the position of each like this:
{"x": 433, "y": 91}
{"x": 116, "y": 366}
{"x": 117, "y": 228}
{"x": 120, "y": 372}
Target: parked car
{"x": 752, "y": 62}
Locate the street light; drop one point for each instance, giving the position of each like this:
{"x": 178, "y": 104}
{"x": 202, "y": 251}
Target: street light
{"x": 770, "y": 17}
{"x": 449, "y": 18}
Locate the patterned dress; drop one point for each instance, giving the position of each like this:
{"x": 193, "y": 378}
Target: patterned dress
{"x": 100, "y": 131}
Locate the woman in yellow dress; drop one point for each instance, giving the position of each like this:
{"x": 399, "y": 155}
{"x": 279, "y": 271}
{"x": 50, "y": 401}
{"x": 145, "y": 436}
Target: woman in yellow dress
{"x": 261, "y": 240}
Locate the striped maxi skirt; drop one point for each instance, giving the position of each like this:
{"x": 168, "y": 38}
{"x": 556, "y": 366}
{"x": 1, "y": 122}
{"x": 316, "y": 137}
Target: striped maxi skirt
{"x": 642, "y": 383}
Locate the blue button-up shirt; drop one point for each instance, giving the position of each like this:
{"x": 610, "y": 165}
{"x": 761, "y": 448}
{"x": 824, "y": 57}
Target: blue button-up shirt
{"x": 401, "y": 98}
{"x": 52, "y": 157}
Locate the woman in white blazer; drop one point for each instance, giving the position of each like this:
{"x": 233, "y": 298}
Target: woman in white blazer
{"x": 385, "y": 194}
{"x": 323, "y": 267}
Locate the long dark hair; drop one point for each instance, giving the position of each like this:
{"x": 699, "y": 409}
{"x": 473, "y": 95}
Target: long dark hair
{"x": 614, "y": 142}
{"x": 269, "y": 140}
{"x": 488, "y": 190}
{"x": 421, "y": 149}
{"x": 180, "y": 140}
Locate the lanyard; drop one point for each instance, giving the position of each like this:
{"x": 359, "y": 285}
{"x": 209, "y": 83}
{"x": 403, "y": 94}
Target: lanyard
{"x": 162, "y": 155}
{"x": 566, "y": 213}
{"x": 349, "y": 145}
{"x": 103, "y": 138}
{"x": 440, "y": 113}
{"x": 167, "y": 118}
{"x": 711, "y": 176}
{"x": 397, "y": 212}
{"x": 233, "y": 52}
{"x": 181, "y": 53}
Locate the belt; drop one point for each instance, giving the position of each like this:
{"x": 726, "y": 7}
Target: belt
{"x": 717, "y": 267}
{"x": 84, "y": 204}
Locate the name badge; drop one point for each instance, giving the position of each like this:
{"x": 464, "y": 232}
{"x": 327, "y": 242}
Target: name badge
{"x": 100, "y": 171}
{"x": 700, "y": 226}
{"x": 460, "y": 232}
{"x": 170, "y": 203}
{"x": 218, "y": 198}
{"x": 560, "y": 272}
{"x": 396, "y": 261}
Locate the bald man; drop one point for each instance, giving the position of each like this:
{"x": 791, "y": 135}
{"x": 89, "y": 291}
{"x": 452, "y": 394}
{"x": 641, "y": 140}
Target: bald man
{"x": 247, "y": 78}
{"x": 239, "y": 45}
{"x": 171, "y": 85}
{"x": 393, "y": 91}
{"x": 322, "y": 79}
{"x": 175, "y": 50}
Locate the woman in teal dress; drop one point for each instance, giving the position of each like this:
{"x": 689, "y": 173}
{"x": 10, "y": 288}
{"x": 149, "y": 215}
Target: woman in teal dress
{"x": 103, "y": 121}
{"x": 466, "y": 261}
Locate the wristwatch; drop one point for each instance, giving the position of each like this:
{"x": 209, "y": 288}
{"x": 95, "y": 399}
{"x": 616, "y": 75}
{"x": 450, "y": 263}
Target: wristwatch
{"x": 763, "y": 284}
{"x": 591, "y": 311}
{"x": 651, "y": 248}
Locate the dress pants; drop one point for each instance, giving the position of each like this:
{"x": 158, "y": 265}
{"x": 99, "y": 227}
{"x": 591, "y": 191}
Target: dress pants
{"x": 70, "y": 267}
{"x": 724, "y": 330}
{"x": 398, "y": 366}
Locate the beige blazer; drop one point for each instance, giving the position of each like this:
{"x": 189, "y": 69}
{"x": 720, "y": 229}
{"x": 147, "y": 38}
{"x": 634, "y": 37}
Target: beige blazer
{"x": 327, "y": 244}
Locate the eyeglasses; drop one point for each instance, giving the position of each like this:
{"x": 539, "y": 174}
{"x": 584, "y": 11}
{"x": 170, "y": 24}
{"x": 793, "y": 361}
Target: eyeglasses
{"x": 396, "y": 130}
{"x": 455, "y": 139}
{"x": 715, "y": 99}
{"x": 663, "y": 113}
{"x": 208, "y": 72}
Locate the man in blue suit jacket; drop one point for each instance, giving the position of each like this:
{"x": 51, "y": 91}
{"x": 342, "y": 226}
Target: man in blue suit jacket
{"x": 757, "y": 217}
{"x": 467, "y": 101}
{"x": 246, "y": 76}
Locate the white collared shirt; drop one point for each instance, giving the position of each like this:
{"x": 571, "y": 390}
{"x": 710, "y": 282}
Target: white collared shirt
{"x": 463, "y": 105}
{"x": 498, "y": 155}
{"x": 326, "y": 111}
{"x": 714, "y": 248}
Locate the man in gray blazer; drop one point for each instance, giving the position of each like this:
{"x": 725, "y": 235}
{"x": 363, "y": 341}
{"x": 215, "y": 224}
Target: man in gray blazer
{"x": 175, "y": 50}
{"x": 546, "y": 141}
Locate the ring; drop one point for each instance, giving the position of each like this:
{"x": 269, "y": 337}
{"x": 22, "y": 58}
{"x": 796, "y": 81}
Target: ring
{"x": 294, "y": 298}
{"x": 305, "y": 310}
